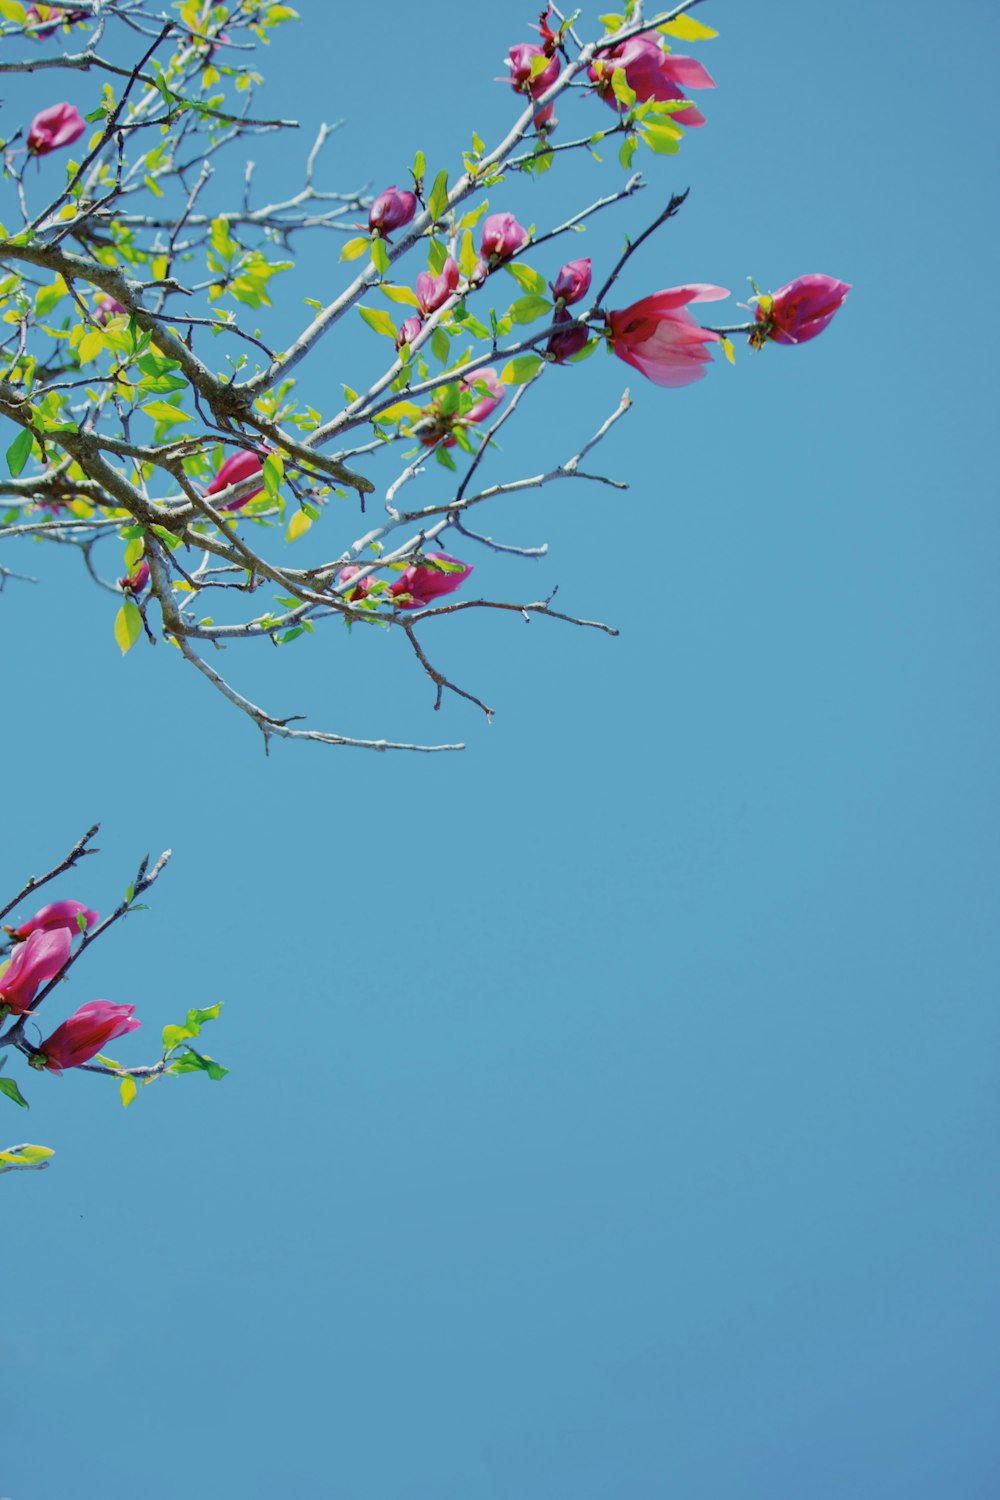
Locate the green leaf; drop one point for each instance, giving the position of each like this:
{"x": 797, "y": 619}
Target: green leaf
{"x": 441, "y": 345}
{"x": 354, "y": 249}
{"x": 662, "y": 136}
{"x": 379, "y": 319}
{"x": 468, "y": 259}
{"x": 274, "y": 473}
{"x": 10, "y": 1088}
{"x": 419, "y": 166}
{"x": 380, "y": 255}
{"x": 162, "y": 411}
{"x": 521, "y": 369}
{"x": 399, "y": 294}
{"x": 17, "y": 453}
{"x": 437, "y": 203}
{"x": 627, "y": 151}
{"x": 437, "y": 254}
{"x": 128, "y": 626}
{"x": 26, "y": 1156}
{"x": 47, "y": 296}
{"x": 191, "y": 1061}
{"x": 128, "y": 1091}
{"x": 527, "y": 279}
{"x": 527, "y": 309}
{"x": 621, "y": 88}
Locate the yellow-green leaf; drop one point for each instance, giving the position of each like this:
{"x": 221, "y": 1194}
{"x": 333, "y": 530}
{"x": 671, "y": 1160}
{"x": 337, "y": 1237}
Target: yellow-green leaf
{"x": 520, "y": 370}
{"x": 128, "y": 1091}
{"x": 128, "y": 626}
{"x": 91, "y": 345}
{"x": 162, "y": 411}
{"x": 298, "y": 526}
{"x": 399, "y": 294}
{"x": 688, "y": 30}
{"x": 379, "y": 319}
{"x": 729, "y": 351}
{"x": 11, "y": 11}
{"x": 354, "y": 249}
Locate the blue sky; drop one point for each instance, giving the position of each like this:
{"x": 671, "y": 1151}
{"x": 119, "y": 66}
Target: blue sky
{"x": 613, "y": 1108}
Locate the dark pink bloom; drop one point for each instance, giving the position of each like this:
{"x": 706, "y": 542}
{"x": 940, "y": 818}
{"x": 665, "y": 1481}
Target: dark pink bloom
{"x": 798, "y": 311}
{"x": 562, "y": 345}
{"x": 44, "y": 27}
{"x": 391, "y": 210}
{"x": 651, "y": 73}
{"x": 57, "y": 914}
{"x": 136, "y": 581}
{"x": 573, "y": 282}
{"x": 106, "y": 308}
{"x": 89, "y": 1029}
{"x": 425, "y": 584}
{"x": 658, "y": 338}
{"x": 361, "y": 590}
{"x": 37, "y": 960}
{"x": 483, "y": 405}
{"x": 408, "y": 331}
{"x": 521, "y": 58}
{"x": 434, "y": 291}
{"x": 59, "y": 125}
{"x": 238, "y": 466}
{"x": 549, "y": 37}
{"x": 502, "y": 235}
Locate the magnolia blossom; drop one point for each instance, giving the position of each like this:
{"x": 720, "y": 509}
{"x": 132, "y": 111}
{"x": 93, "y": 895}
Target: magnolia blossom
{"x": 89, "y": 1029}
{"x": 391, "y": 210}
{"x": 107, "y": 307}
{"x": 434, "y": 291}
{"x": 484, "y": 405}
{"x": 798, "y": 311}
{"x": 408, "y": 331}
{"x": 238, "y": 466}
{"x": 57, "y": 914}
{"x": 441, "y": 422}
{"x": 652, "y": 73}
{"x": 573, "y": 282}
{"x": 519, "y": 61}
{"x": 658, "y": 338}
{"x": 43, "y": 25}
{"x": 563, "y": 345}
{"x": 360, "y": 590}
{"x": 425, "y": 584}
{"x": 37, "y": 960}
{"x": 502, "y": 235}
{"x": 59, "y": 125}
{"x": 136, "y": 581}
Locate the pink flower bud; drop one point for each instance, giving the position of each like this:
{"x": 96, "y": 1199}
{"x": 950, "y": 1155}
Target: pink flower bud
{"x": 799, "y": 311}
{"x": 434, "y": 291}
{"x": 651, "y": 73}
{"x": 660, "y": 340}
{"x": 425, "y": 584}
{"x": 135, "y": 582}
{"x": 35, "y": 961}
{"x": 86, "y": 1032}
{"x": 391, "y": 210}
{"x": 561, "y": 346}
{"x": 520, "y": 60}
{"x": 59, "y": 125}
{"x": 573, "y": 282}
{"x": 408, "y": 331}
{"x": 502, "y": 235}
{"x": 57, "y": 914}
{"x": 107, "y": 308}
{"x": 238, "y": 466}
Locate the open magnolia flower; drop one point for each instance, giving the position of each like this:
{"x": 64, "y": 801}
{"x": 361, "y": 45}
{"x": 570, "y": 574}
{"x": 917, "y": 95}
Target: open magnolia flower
{"x": 662, "y": 341}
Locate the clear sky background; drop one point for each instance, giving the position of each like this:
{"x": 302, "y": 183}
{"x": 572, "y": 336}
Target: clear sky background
{"x": 614, "y": 1107}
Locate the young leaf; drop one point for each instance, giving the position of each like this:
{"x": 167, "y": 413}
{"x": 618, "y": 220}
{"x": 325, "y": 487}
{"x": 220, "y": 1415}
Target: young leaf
{"x": 10, "y": 1088}
{"x": 437, "y": 203}
{"x": 128, "y": 626}
{"x": 298, "y": 526}
{"x": 520, "y": 370}
{"x": 379, "y": 319}
{"x": 128, "y": 1091}
{"x": 354, "y": 249}
{"x": 17, "y": 453}
{"x": 687, "y": 30}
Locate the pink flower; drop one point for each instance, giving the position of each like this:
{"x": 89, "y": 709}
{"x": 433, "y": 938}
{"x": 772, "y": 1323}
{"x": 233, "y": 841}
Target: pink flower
{"x": 520, "y": 60}
{"x": 361, "y": 590}
{"x": 434, "y": 291}
{"x": 563, "y": 345}
{"x": 42, "y": 27}
{"x": 135, "y": 582}
{"x": 425, "y": 584}
{"x": 59, "y": 125}
{"x": 573, "y": 282}
{"x": 658, "y": 338}
{"x": 37, "y": 960}
{"x": 89, "y": 1029}
{"x": 57, "y": 914}
{"x": 391, "y": 210}
{"x": 408, "y": 331}
{"x": 484, "y": 405}
{"x": 502, "y": 235}
{"x": 238, "y": 466}
{"x": 107, "y": 308}
{"x": 651, "y": 73}
{"x": 799, "y": 311}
